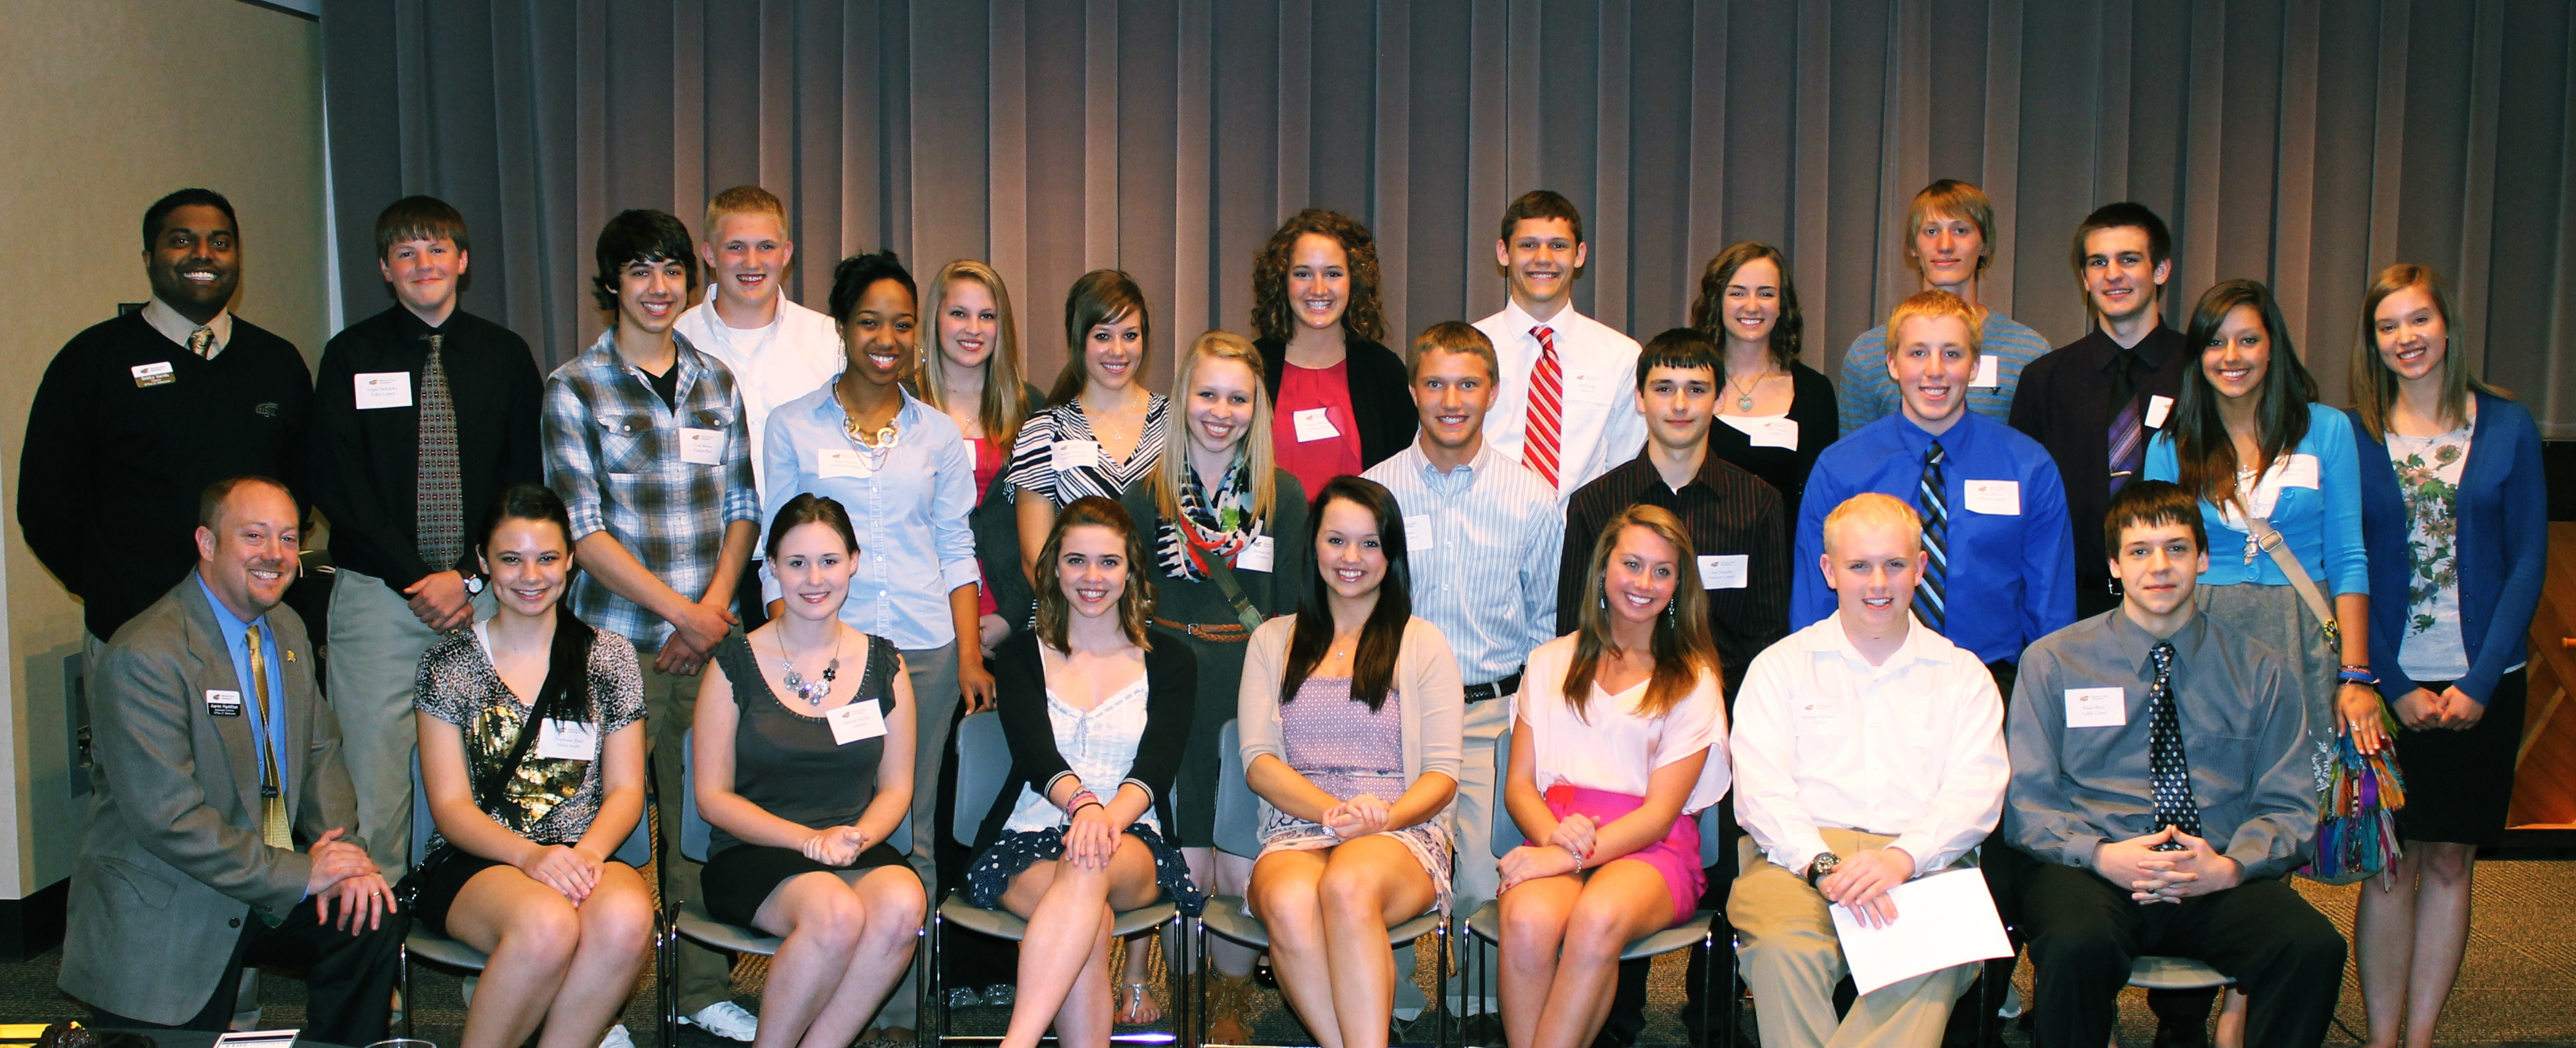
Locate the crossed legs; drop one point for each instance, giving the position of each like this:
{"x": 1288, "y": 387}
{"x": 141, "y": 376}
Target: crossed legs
{"x": 1064, "y": 956}
{"x": 565, "y": 967}
{"x": 1327, "y": 911}
{"x": 1561, "y": 939}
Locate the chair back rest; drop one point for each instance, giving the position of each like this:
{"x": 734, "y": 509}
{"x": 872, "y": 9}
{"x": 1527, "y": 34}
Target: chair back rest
{"x": 983, "y": 765}
{"x": 1238, "y": 810}
{"x": 696, "y": 836}
{"x": 1507, "y": 834}
{"x": 635, "y": 851}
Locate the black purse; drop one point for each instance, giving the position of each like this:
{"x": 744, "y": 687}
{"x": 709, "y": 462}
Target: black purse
{"x": 551, "y": 696}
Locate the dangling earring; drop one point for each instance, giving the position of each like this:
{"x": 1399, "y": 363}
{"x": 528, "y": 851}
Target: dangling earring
{"x": 1604, "y": 598}
{"x": 1672, "y": 616}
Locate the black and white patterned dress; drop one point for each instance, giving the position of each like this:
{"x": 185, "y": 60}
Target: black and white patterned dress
{"x": 1035, "y": 459}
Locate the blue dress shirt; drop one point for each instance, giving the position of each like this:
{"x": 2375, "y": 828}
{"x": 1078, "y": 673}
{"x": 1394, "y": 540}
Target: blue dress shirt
{"x": 910, "y": 511}
{"x": 266, "y": 732}
{"x": 2012, "y": 576}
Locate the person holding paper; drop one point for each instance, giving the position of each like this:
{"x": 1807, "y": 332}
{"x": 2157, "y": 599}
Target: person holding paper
{"x": 1619, "y": 738}
{"x": 531, "y": 728}
{"x": 2160, "y": 776}
{"x": 2094, "y": 403}
{"x": 804, "y": 767}
{"x": 1868, "y": 751}
{"x": 1228, "y": 531}
{"x": 1338, "y": 391}
{"x": 1778, "y": 413}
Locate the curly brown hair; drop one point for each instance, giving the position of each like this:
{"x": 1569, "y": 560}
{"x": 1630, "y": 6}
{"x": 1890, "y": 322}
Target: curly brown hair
{"x": 1364, "y": 317}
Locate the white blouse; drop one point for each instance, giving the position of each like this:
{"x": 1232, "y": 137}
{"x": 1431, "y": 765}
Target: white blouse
{"x": 1617, "y": 750}
{"x": 1099, "y": 744}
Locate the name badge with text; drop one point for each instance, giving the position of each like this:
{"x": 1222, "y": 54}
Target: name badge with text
{"x": 1417, "y": 533}
{"x": 2158, "y": 407}
{"x": 1257, "y": 555}
{"x": 1989, "y": 372}
{"x": 153, "y": 374}
{"x": 220, "y": 703}
{"x": 1073, "y": 454}
{"x": 2300, "y": 472}
{"x": 2000, "y": 498}
{"x": 856, "y": 722}
{"x": 1723, "y": 570}
{"x": 2097, "y": 707}
{"x": 1314, "y": 424}
{"x": 382, "y": 389}
{"x": 702, "y": 447}
{"x": 840, "y": 462}
{"x": 563, "y": 740}
{"x": 1589, "y": 389}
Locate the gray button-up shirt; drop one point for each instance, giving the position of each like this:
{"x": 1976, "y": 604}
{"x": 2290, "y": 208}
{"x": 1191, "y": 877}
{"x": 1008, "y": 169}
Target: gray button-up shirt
{"x": 2244, "y": 730}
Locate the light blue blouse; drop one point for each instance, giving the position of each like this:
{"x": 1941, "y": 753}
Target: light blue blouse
{"x": 2321, "y": 523}
{"x": 909, "y": 509}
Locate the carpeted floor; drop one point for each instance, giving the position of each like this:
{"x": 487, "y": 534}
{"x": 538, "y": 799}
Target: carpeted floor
{"x": 2517, "y": 986}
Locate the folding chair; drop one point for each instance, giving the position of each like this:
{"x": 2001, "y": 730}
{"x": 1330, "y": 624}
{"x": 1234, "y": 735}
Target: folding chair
{"x": 449, "y": 953}
{"x": 688, "y": 918}
{"x": 983, "y": 766}
{"x": 1237, "y": 834}
{"x": 1700, "y": 930}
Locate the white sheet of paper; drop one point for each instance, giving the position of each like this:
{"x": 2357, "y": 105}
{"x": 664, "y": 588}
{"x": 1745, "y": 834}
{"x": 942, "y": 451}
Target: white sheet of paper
{"x": 1989, "y": 372}
{"x": 383, "y": 389}
{"x": 856, "y": 722}
{"x": 153, "y": 374}
{"x": 1417, "y": 533}
{"x": 1073, "y": 454}
{"x": 702, "y": 447}
{"x": 223, "y": 703}
{"x": 1723, "y": 570}
{"x": 1314, "y": 424}
{"x": 2158, "y": 406}
{"x": 257, "y": 1039}
{"x": 2000, "y": 498}
{"x": 563, "y": 740}
{"x": 1257, "y": 555}
{"x": 1943, "y": 920}
{"x": 840, "y": 462}
{"x": 2097, "y": 707}
{"x": 2300, "y": 472}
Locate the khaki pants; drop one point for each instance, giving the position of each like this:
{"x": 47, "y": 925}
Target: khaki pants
{"x": 374, "y": 658}
{"x": 670, "y": 703}
{"x": 1792, "y": 958}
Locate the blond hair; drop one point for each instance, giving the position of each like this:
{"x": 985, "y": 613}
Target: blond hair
{"x": 1955, "y": 199}
{"x": 1253, "y": 450}
{"x": 2374, "y": 387}
{"x": 1005, "y": 404}
{"x": 1933, "y": 305}
{"x": 743, "y": 200}
{"x": 1871, "y": 507}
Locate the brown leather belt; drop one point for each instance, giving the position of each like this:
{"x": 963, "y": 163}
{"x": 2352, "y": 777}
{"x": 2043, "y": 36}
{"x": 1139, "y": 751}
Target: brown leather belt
{"x": 1219, "y": 633}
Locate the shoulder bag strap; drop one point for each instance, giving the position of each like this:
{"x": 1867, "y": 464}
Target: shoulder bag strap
{"x": 2273, "y": 543}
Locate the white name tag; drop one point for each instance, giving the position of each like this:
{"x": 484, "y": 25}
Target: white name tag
{"x": 702, "y": 447}
{"x": 154, "y": 374}
{"x": 2097, "y": 707}
{"x": 1723, "y": 570}
{"x": 1313, "y": 425}
{"x": 1417, "y": 533}
{"x": 2158, "y": 406}
{"x": 562, "y": 740}
{"x": 1766, "y": 432}
{"x": 223, "y": 703}
{"x": 1257, "y": 555}
{"x": 840, "y": 462}
{"x": 1590, "y": 389}
{"x": 1989, "y": 372}
{"x": 856, "y": 722}
{"x": 2300, "y": 472}
{"x": 1073, "y": 454}
{"x": 1814, "y": 716}
{"x": 2001, "y": 498}
{"x": 383, "y": 389}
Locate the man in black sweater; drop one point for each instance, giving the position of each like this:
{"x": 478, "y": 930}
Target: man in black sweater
{"x": 137, "y": 415}
{"x": 423, "y": 414}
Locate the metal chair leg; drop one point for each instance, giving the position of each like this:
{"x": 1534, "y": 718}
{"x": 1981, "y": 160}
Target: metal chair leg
{"x": 1440, "y": 986}
{"x": 1176, "y": 972}
{"x": 402, "y": 985}
{"x": 936, "y": 1018}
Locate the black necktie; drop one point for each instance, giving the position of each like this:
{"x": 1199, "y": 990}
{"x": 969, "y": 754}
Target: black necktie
{"x": 2168, "y": 771}
{"x": 1931, "y": 498}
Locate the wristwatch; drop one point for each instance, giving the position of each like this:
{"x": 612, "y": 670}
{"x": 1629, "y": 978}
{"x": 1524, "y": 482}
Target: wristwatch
{"x": 1824, "y": 864}
{"x": 473, "y": 583}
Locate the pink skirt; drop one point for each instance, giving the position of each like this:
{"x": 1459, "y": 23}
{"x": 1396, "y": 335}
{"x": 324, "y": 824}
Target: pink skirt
{"x": 1676, "y": 857}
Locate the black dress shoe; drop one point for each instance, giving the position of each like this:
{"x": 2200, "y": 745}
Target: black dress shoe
{"x": 2181, "y": 1037}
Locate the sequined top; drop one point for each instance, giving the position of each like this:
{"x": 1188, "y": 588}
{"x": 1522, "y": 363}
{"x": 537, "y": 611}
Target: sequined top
{"x": 549, "y": 800}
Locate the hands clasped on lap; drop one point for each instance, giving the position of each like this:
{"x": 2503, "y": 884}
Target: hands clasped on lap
{"x": 342, "y": 873}
{"x": 2166, "y": 876}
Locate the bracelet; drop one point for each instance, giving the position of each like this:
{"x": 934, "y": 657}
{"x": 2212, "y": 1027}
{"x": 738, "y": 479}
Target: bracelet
{"x": 1578, "y": 858}
{"x": 1080, "y": 798}
{"x": 1080, "y": 804}
{"x": 2351, "y": 674}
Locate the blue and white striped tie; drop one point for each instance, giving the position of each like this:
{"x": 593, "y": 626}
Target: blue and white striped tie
{"x": 1931, "y": 497}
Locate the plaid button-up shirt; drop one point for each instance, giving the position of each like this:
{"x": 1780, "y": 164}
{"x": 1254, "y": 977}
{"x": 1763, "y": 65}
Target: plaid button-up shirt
{"x": 615, "y": 452}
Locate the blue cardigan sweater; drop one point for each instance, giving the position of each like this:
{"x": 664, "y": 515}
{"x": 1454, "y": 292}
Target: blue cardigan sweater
{"x": 2503, "y": 547}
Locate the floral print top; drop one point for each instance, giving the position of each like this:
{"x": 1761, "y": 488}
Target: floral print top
{"x": 2428, "y": 472}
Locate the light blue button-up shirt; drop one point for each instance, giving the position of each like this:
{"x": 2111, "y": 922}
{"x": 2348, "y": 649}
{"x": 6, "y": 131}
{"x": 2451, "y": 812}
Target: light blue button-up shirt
{"x": 266, "y": 732}
{"x": 909, "y": 509}
{"x": 1484, "y": 564}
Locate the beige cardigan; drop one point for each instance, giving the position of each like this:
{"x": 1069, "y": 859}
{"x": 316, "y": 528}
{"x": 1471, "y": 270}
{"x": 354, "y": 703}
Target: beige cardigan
{"x": 1426, "y": 674}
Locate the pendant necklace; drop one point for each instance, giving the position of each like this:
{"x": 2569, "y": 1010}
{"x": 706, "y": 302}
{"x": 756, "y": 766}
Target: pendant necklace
{"x": 1744, "y": 393}
{"x": 813, "y": 692}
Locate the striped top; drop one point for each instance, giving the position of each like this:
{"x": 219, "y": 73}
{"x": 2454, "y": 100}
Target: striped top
{"x": 1037, "y": 466}
{"x": 1868, "y": 395}
{"x": 1482, "y": 544}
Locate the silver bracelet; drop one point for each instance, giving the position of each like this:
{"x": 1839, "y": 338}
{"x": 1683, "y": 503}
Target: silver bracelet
{"x": 1578, "y": 858}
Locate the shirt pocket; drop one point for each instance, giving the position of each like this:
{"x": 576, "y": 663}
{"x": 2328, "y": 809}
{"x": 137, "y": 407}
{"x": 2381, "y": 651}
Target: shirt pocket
{"x": 625, "y": 444}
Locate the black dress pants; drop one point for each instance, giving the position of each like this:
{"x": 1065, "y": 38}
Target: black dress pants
{"x": 349, "y": 979}
{"x": 2084, "y": 932}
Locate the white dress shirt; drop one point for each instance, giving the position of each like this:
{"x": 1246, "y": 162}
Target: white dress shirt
{"x": 1483, "y": 541}
{"x": 796, "y": 354}
{"x": 1599, "y": 426}
{"x": 177, "y": 328}
{"x": 1610, "y": 747}
{"x": 1911, "y": 748}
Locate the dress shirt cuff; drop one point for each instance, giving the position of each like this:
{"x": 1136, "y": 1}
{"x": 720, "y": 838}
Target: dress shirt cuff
{"x": 957, "y": 573}
{"x": 1796, "y": 856}
{"x": 1927, "y": 853}
{"x": 585, "y": 517}
{"x": 741, "y": 505}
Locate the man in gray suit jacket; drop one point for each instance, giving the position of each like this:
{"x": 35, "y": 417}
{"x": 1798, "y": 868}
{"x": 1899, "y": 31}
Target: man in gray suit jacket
{"x": 215, "y": 757}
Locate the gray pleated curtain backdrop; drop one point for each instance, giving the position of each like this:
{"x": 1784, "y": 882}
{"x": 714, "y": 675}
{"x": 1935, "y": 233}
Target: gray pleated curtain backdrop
{"x": 2296, "y": 141}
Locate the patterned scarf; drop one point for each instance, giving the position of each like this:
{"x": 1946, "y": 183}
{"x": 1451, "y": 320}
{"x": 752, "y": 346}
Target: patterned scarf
{"x": 1218, "y": 526}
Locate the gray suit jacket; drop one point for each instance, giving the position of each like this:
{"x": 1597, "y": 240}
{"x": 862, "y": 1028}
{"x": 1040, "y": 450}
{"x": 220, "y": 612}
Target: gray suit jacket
{"x": 172, "y": 862}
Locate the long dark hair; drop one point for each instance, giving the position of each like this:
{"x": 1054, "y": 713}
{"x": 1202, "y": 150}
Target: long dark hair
{"x": 568, "y": 657}
{"x": 1365, "y": 316}
{"x": 2204, "y": 455}
{"x": 1135, "y": 603}
{"x": 1101, "y": 296}
{"x": 1708, "y": 311}
{"x": 1382, "y": 636}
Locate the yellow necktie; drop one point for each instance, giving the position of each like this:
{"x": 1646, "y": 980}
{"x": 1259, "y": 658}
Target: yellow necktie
{"x": 274, "y": 826}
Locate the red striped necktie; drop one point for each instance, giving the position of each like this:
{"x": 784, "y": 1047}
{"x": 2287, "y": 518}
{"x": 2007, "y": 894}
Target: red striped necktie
{"x": 1546, "y": 407}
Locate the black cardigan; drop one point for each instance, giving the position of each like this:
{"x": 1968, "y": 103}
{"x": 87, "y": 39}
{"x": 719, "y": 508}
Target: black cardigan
{"x": 1380, "y": 397}
{"x": 996, "y": 527}
{"x": 1171, "y": 686}
{"x": 1811, "y": 406}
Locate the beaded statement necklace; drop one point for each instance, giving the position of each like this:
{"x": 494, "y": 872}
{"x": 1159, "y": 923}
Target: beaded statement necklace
{"x": 813, "y": 692}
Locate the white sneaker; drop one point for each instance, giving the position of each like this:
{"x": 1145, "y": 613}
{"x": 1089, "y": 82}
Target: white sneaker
{"x": 727, "y": 1020}
{"x": 617, "y": 1038}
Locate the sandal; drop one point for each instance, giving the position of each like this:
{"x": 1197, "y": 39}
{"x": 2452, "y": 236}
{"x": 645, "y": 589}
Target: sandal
{"x": 1136, "y": 1005}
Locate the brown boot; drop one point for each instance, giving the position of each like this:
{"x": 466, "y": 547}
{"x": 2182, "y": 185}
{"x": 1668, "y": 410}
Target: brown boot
{"x": 1229, "y": 998}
